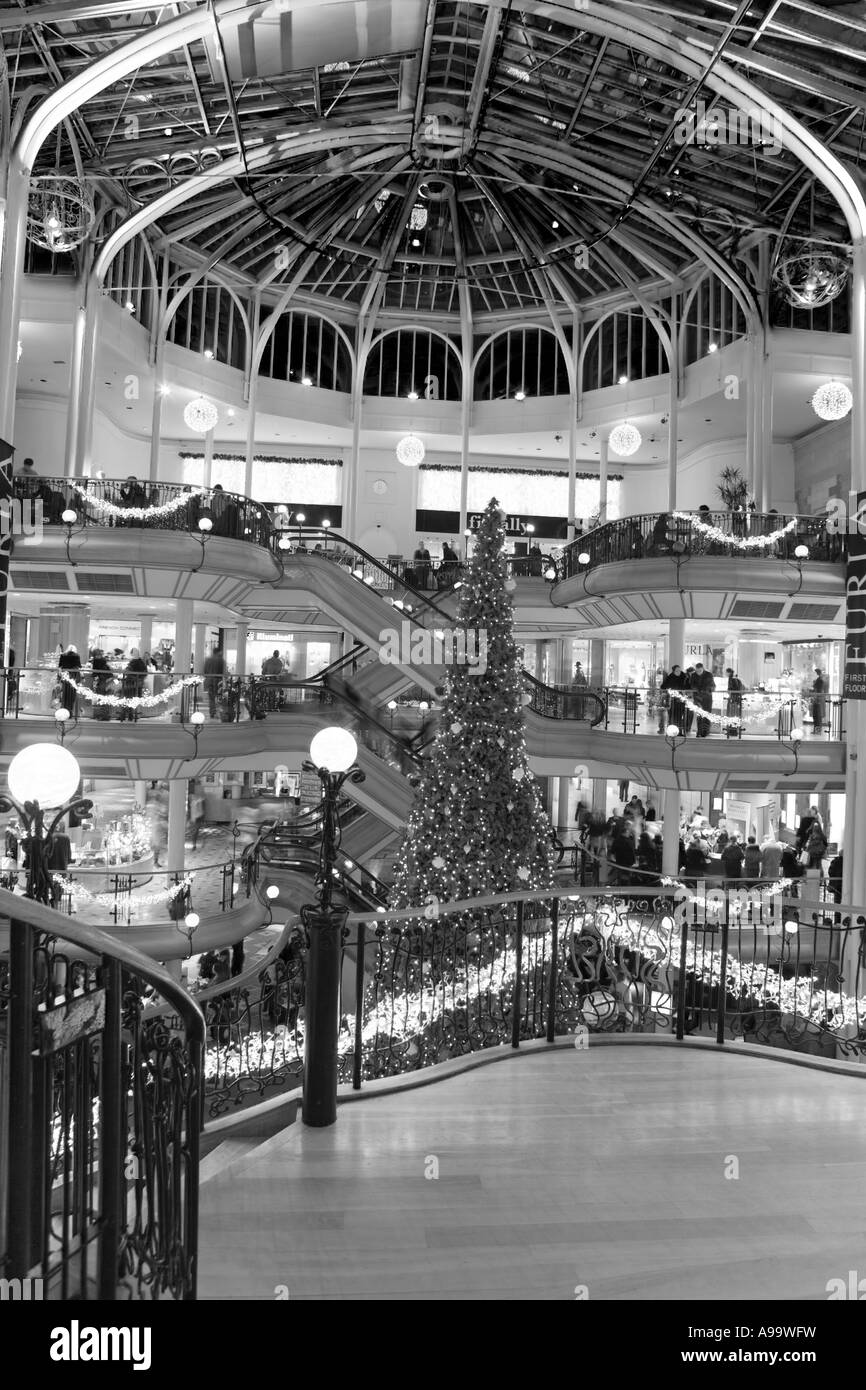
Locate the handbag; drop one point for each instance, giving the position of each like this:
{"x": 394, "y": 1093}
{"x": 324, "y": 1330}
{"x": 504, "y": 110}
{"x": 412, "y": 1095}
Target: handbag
{"x": 804, "y": 858}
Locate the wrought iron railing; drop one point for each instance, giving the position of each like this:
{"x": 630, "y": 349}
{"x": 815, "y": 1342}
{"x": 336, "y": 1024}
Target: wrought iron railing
{"x": 661, "y": 535}
{"x": 759, "y": 966}
{"x": 111, "y": 503}
{"x": 634, "y": 709}
{"x": 103, "y": 1114}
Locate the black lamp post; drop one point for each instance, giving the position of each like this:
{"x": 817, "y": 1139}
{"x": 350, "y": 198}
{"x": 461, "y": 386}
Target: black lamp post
{"x": 332, "y": 758}
{"x": 43, "y": 781}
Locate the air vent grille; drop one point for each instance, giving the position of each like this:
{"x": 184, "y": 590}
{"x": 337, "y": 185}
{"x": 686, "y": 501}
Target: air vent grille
{"x": 101, "y": 583}
{"x": 756, "y": 608}
{"x": 39, "y": 579}
{"x": 814, "y": 612}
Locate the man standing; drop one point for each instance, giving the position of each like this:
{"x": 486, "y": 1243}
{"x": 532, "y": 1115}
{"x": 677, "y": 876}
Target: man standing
{"x": 421, "y": 561}
{"x": 703, "y": 685}
{"x": 735, "y": 701}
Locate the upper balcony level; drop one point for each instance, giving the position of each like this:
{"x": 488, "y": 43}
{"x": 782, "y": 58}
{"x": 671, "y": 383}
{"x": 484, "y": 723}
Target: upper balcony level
{"x": 705, "y": 565}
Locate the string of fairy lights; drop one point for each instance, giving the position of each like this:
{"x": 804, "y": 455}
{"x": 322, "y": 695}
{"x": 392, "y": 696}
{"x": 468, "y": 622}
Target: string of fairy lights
{"x": 155, "y": 512}
{"x": 109, "y": 900}
{"x": 715, "y": 533}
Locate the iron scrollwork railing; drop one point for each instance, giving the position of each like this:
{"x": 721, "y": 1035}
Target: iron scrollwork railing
{"x": 661, "y": 535}
{"x": 102, "y": 1114}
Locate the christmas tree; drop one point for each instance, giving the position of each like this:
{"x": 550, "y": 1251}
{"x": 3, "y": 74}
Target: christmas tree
{"x": 477, "y": 825}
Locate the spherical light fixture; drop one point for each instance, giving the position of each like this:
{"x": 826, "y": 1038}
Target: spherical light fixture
{"x": 673, "y": 730}
{"x": 205, "y": 522}
{"x": 583, "y": 557}
{"x": 411, "y": 451}
{"x": 200, "y": 415}
{"x": 284, "y": 543}
{"x": 60, "y": 212}
{"x": 62, "y": 715}
{"x": 810, "y": 278}
{"x": 801, "y": 552}
{"x": 625, "y": 440}
{"x": 44, "y": 772}
{"x": 334, "y": 749}
{"x": 550, "y": 573}
{"x": 197, "y": 718}
{"x": 191, "y": 920}
{"x": 797, "y": 735}
{"x": 832, "y": 401}
{"x": 272, "y": 892}
{"x": 69, "y": 516}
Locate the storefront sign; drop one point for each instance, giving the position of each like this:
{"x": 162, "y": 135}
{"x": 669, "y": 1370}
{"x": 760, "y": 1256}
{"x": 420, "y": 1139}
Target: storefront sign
{"x": 448, "y": 524}
{"x": 854, "y": 684}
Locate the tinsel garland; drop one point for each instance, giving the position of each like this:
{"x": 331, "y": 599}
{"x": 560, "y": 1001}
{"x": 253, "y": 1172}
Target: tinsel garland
{"x": 263, "y": 458}
{"x": 715, "y": 533}
{"x": 514, "y": 472}
{"x": 695, "y": 900}
{"x": 130, "y": 701}
{"x": 726, "y": 721}
{"x": 102, "y": 504}
{"x": 109, "y": 900}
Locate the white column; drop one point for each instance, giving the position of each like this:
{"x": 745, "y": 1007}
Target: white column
{"x": 465, "y": 418}
{"x": 671, "y": 833}
{"x": 673, "y": 425}
{"x": 182, "y": 635}
{"x": 87, "y": 386}
{"x": 351, "y": 475}
{"x": 602, "y": 481}
{"x": 251, "y": 438}
{"x": 175, "y": 856}
{"x": 156, "y": 413}
{"x": 200, "y": 632}
{"x": 572, "y": 470}
{"x": 11, "y": 274}
{"x": 241, "y": 645}
{"x": 139, "y": 792}
{"x": 145, "y": 639}
{"x": 208, "y": 465}
{"x": 79, "y": 326}
{"x": 676, "y": 641}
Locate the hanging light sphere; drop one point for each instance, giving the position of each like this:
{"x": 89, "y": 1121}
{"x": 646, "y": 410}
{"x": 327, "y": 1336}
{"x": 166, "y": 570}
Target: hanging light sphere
{"x": 812, "y": 278}
{"x": 411, "y": 451}
{"x": 200, "y": 415}
{"x": 60, "y": 212}
{"x": 44, "y": 772}
{"x": 832, "y": 401}
{"x": 625, "y": 440}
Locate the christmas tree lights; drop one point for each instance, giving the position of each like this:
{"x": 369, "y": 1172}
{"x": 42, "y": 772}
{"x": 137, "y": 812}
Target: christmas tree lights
{"x": 477, "y": 825}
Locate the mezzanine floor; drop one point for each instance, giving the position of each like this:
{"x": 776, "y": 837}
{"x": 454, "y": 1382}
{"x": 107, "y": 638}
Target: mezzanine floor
{"x": 604, "y": 1168}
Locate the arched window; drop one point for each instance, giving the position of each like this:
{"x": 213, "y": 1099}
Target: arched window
{"x": 625, "y": 344}
{"x": 713, "y": 318}
{"x": 522, "y": 359}
{"x": 209, "y": 320}
{"x": 304, "y": 348}
{"x": 413, "y": 360}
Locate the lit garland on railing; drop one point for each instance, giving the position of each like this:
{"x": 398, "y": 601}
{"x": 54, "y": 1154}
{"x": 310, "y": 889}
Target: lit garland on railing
{"x": 725, "y": 721}
{"x": 715, "y": 904}
{"x": 102, "y": 504}
{"x": 131, "y": 701}
{"x": 715, "y": 533}
{"x": 109, "y": 900}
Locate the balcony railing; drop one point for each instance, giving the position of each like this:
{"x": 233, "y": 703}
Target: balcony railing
{"x": 661, "y": 535}
{"x": 113, "y": 504}
{"x": 634, "y": 709}
{"x": 101, "y": 1113}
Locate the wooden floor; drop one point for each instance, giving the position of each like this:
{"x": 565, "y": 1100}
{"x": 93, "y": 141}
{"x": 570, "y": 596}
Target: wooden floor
{"x": 602, "y": 1168}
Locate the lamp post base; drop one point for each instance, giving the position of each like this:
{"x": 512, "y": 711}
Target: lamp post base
{"x": 321, "y": 1013}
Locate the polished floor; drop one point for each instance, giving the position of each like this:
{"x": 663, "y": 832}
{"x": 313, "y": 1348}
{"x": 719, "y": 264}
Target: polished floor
{"x": 609, "y": 1170}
